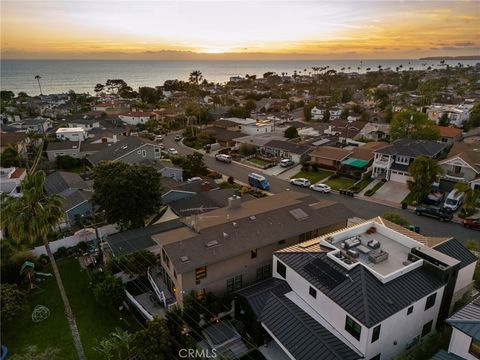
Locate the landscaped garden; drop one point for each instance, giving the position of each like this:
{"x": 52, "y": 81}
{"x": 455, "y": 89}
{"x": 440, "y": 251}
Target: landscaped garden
{"x": 314, "y": 176}
{"x": 94, "y": 321}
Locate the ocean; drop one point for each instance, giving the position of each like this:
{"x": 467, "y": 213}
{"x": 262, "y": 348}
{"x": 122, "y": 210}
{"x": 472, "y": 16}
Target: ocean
{"x": 59, "y": 76}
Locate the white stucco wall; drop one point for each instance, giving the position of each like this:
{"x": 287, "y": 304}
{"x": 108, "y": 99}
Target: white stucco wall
{"x": 465, "y": 277}
{"x": 460, "y": 344}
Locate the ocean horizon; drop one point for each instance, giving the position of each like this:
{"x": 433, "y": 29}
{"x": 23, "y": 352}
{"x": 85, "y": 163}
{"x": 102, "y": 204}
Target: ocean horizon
{"x": 59, "y": 76}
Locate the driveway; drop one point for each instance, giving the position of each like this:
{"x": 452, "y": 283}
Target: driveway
{"x": 392, "y": 191}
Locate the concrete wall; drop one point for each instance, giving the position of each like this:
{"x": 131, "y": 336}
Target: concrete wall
{"x": 460, "y": 344}
{"x": 464, "y": 278}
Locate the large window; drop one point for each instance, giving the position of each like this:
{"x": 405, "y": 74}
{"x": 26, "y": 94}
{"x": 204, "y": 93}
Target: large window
{"x": 200, "y": 273}
{"x": 430, "y": 301}
{"x": 376, "y": 333}
{"x": 353, "y": 328}
{"x": 410, "y": 310}
{"x": 427, "y": 328}
{"x": 281, "y": 269}
{"x": 264, "y": 272}
{"x": 475, "y": 348}
{"x": 234, "y": 283}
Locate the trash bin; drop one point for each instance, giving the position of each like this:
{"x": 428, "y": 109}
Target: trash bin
{"x": 404, "y": 205}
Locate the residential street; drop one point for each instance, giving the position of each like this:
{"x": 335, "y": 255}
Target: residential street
{"x": 362, "y": 208}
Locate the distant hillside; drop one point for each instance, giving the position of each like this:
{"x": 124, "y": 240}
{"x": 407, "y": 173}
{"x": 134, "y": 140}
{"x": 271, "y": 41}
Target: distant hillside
{"x": 466, "y": 57}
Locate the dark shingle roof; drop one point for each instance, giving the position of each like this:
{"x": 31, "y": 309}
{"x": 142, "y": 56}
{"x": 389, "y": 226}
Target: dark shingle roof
{"x": 130, "y": 241}
{"x": 74, "y": 197}
{"x": 60, "y": 181}
{"x": 258, "y": 294}
{"x": 443, "y": 355}
{"x": 119, "y": 149}
{"x": 301, "y": 334}
{"x": 361, "y": 294}
{"x": 456, "y": 250}
{"x": 467, "y": 319}
{"x": 63, "y": 145}
{"x": 288, "y": 146}
{"x": 413, "y": 148}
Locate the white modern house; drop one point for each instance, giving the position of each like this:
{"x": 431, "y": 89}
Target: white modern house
{"x": 368, "y": 291}
{"x": 392, "y": 162}
{"x": 317, "y": 113}
{"x": 457, "y": 114}
{"x": 465, "y": 338}
{"x": 71, "y": 134}
{"x": 136, "y": 117}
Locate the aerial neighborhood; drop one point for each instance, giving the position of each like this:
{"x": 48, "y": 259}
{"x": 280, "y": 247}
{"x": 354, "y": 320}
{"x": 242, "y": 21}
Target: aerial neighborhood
{"x": 319, "y": 214}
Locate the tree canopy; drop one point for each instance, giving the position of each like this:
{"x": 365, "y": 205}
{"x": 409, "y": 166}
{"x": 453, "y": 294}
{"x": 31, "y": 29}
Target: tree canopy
{"x": 128, "y": 194}
{"x": 12, "y": 301}
{"x": 154, "y": 341}
{"x": 415, "y": 125}
{"x": 424, "y": 172}
{"x": 193, "y": 165}
{"x": 291, "y": 132}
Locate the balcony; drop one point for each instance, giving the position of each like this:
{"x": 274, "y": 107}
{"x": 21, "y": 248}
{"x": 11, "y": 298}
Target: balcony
{"x": 457, "y": 176}
{"x": 384, "y": 162}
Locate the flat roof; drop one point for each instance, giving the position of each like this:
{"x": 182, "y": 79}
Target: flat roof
{"x": 70, "y": 129}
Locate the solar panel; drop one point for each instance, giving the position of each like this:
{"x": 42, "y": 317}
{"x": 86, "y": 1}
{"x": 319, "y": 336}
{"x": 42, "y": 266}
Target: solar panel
{"x": 324, "y": 273}
{"x": 298, "y": 214}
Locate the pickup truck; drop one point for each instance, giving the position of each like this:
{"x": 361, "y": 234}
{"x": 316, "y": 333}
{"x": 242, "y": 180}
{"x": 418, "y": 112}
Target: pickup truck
{"x": 435, "y": 212}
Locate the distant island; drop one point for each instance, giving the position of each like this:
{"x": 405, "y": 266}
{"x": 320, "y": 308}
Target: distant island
{"x": 465, "y": 57}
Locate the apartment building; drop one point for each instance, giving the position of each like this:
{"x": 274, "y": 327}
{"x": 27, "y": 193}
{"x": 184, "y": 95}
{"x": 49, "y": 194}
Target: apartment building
{"x": 229, "y": 248}
{"x": 368, "y": 291}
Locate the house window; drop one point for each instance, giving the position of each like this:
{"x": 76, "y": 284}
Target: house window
{"x": 312, "y": 292}
{"x": 376, "y": 333}
{"x": 457, "y": 170}
{"x": 144, "y": 153}
{"x": 410, "y": 310}
{"x": 200, "y": 273}
{"x": 264, "y": 272}
{"x": 253, "y": 253}
{"x": 157, "y": 150}
{"x": 376, "y": 357}
{"x": 234, "y": 283}
{"x": 475, "y": 348}
{"x": 353, "y": 328}
{"x": 427, "y": 328}
{"x": 430, "y": 301}
{"x": 281, "y": 269}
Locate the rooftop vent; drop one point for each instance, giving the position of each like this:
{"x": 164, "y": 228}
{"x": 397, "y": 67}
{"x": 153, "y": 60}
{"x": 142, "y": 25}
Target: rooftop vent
{"x": 299, "y": 214}
{"x": 211, "y": 243}
{"x": 253, "y": 218}
{"x": 184, "y": 259}
{"x": 124, "y": 147}
{"x": 234, "y": 201}
{"x": 225, "y": 235}
{"x": 235, "y": 224}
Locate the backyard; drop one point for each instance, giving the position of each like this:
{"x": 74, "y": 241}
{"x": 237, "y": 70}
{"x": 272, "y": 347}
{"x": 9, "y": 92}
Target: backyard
{"x": 93, "y": 320}
{"x": 314, "y": 176}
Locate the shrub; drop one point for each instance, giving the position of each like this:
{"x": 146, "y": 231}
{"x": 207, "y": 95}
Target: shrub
{"x": 12, "y": 301}
{"x": 230, "y": 180}
{"x": 109, "y": 291}
{"x": 61, "y": 252}
{"x": 66, "y": 162}
{"x": 82, "y": 246}
{"x": 397, "y": 219}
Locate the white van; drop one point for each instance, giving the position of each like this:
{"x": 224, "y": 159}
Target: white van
{"x": 454, "y": 200}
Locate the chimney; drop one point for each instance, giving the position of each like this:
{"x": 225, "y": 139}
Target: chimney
{"x": 234, "y": 202}
{"x": 205, "y": 186}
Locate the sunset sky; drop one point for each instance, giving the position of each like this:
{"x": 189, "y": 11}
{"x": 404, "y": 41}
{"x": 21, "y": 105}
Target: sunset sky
{"x": 74, "y": 29}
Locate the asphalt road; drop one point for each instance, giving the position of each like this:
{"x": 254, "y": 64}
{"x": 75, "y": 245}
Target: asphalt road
{"x": 361, "y": 208}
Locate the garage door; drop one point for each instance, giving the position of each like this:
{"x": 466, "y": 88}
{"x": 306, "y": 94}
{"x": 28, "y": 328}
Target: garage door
{"x": 398, "y": 177}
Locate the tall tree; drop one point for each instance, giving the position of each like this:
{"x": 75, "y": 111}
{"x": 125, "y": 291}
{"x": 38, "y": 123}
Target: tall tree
{"x": 153, "y": 343}
{"x": 129, "y": 194}
{"x": 195, "y": 77}
{"x": 10, "y": 156}
{"x": 31, "y": 217}
{"x": 38, "y": 77}
{"x": 415, "y": 125}
{"x": 424, "y": 172}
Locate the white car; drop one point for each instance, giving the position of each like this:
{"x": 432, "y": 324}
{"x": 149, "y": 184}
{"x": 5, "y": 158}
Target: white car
{"x": 321, "y": 188}
{"x": 178, "y": 137}
{"x": 285, "y": 162}
{"x": 300, "y": 182}
{"x": 172, "y": 151}
{"x": 193, "y": 179}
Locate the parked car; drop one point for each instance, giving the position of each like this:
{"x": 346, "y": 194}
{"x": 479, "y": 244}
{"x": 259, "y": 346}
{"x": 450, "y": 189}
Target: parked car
{"x": 300, "y": 182}
{"x": 161, "y": 146}
{"x": 434, "y": 198}
{"x": 321, "y": 188}
{"x": 286, "y": 162}
{"x": 178, "y": 137}
{"x": 193, "y": 179}
{"x": 472, "y": 223}
{"x": 454, "y": 200}
{"x": 172, "y": 151}
{"x": 223, "y": 158}
{"x": 435, "y": 212}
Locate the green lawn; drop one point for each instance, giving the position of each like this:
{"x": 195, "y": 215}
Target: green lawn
{"x": 313, "y": 176}
{"x": 340, "y": 183}
{"x": 258, "y": 161}
{"x": 93, "y": 320}
{"x": 362, "y": 184}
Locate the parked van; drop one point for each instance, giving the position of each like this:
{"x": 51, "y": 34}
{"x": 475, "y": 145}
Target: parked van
{"x": 454, "y": 200}
{"x": 258, "y": 181}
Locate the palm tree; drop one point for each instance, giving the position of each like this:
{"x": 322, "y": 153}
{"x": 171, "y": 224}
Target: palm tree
{"x": 38, "y": 77}
{"x": 471, "y": 195}
{"x": 195, "y": 77}
{"x": 32, "y": 216}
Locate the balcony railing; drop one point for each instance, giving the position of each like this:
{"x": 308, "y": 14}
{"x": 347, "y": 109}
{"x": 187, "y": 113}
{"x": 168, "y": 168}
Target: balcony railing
{"x": 455, "y": 175}
{"x": 383, "y": 162}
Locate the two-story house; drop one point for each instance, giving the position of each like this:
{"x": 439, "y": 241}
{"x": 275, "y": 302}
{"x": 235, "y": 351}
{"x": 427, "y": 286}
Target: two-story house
{"x": 85, "y": 123}
{"x": 392, "y": 162}
{"x": 229, "y": 248}
{"x": 368, "y": 291}
{"x": 136, "y": 117}
{"x": 462, "y": 165}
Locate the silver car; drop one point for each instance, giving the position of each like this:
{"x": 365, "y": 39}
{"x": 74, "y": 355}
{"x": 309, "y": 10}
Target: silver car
{"x": 300, "y": 182}
{"x": 321, "y": 188}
